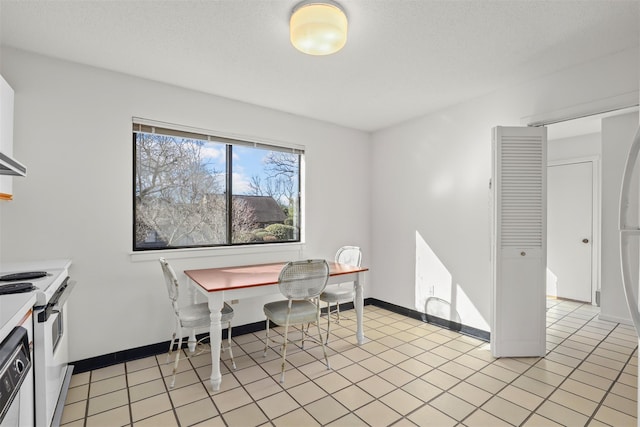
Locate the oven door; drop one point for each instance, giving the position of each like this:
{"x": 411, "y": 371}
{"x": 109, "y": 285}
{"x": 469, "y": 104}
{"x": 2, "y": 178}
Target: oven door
{"x": 51, "y": 357}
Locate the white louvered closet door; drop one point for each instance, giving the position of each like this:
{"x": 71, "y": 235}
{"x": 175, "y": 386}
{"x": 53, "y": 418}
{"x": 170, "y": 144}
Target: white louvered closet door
{"x": 518, "y": 247}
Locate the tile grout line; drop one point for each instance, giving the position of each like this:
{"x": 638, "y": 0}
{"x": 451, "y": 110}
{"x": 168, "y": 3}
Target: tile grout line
{"x": 609, "y": 390}
{"x": 546, "y": 399}
{"x": 460, "y": 381}
{"x": 354, "y": 362}
{"x": 531, "y": 412}
{"x": 270, "y": 376}
{"x": 283, "y": 389}
{"x": 576, "y": 368}
{"x": 126, "y": 382}
{"x": 213, "y": 393}
{"x": 349, "y": 411}
{"x": 205, "y": 383}
{"x": 463, "y": 380}
{"x": 164, "y": 384}
{"x": 86, "y": 409}
{"x": 375, "y": 370}
{"x": 395, "y": 387}
{"x": 434, "y": 368}
{"x": 443, "y": 391}
{"x": 157, "y": 364}
{"x": 354, "y": 384}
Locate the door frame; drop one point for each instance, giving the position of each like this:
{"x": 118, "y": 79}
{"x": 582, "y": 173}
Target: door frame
{"x": 595, "y": 216}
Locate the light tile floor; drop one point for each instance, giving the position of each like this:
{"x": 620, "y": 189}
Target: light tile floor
{"x": 408, "y": 373}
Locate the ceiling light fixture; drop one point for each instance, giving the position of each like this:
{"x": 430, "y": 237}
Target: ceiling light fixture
{"x": 318, "y": 27}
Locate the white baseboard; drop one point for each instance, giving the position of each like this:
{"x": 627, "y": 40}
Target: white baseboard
{"x": 615, "y": 319}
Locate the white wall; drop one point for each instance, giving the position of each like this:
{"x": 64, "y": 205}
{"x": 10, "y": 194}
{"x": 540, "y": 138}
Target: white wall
{"x": 73, "y": 131}
{"x": 416, "y": 195}
{"x": 430, "y": 177}
{"x": 575, "y": 147}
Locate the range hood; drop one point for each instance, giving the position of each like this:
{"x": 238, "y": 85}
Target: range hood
{"x": 10, "y": 166}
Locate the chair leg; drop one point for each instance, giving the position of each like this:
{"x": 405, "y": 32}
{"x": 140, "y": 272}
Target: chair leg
{"x": 284, "y": 350}
{"x": 286, "y": 341}
{"x": 328, "y": 320}
{"x": 175, "y": 364}
{"x": 171, "y": 344}
{"x": 304, "y": 334}
{"x": 338, "y": 311}
{"x": 266, "y": 343}
{"x": 324, "y": 349}
{"x": 233, "y": 362}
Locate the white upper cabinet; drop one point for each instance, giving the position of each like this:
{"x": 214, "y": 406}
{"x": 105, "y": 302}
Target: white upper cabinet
{"x": 6, "y": 136}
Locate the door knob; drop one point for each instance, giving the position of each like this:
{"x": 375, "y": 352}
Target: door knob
{"x": 585, "y": 240}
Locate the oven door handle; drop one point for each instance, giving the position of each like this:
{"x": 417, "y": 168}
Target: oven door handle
{"x": 58, "y": 300}
{"x": 62, "y": 298}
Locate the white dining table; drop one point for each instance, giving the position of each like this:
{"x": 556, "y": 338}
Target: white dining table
{"x": 248, "y": 281}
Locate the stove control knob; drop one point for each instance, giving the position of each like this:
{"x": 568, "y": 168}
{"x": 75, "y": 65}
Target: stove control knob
{"x": 19, "y": 366}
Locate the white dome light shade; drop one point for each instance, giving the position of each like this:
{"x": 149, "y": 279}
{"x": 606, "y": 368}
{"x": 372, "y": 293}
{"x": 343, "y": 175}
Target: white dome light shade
{"x": 318, "y": 28}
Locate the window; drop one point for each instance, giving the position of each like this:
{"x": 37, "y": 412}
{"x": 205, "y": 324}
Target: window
{"x": 192, "y": 189}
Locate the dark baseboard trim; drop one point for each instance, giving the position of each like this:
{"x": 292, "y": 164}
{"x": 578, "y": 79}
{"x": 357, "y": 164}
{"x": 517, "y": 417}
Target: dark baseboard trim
{"x": 152, "y": 350}
{"x": 103, "y": 361}
{"x": 443, "y": 323}
{"x": 118, "y": 357}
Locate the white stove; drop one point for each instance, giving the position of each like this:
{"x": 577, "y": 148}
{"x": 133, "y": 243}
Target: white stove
{"x": 45, "y": 286}
{"x": 50, "y": 341}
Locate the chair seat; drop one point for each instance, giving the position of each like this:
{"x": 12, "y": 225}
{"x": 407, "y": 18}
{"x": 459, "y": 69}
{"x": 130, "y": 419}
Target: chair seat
{"x": 301, "y": 312}
{"x": 197, "y": 315}
{"x": 338, "y": 294}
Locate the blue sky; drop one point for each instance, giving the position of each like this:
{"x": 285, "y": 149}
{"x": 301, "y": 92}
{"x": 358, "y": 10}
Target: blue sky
{"x": 247, "y": 162}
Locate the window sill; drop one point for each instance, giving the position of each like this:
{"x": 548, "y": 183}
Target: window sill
{"x": 288, "y": 251}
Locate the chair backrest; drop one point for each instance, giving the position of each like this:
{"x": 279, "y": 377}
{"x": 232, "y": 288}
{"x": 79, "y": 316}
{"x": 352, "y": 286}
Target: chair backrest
{"x": 350, "y": 255}
{"x": 172, "y": 283}
{"x": 303, "y": 279}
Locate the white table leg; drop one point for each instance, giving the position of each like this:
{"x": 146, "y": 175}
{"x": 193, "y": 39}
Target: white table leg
{"x": 359, "y": 305}
{"x": 191, "y": 342}
{"x": 216, "y": 301}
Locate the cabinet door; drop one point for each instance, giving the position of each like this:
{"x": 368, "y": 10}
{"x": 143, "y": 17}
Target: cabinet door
{"x": 6, "y": 135}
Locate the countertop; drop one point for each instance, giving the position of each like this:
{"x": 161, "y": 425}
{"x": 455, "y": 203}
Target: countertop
{"x": 14, "y": 307}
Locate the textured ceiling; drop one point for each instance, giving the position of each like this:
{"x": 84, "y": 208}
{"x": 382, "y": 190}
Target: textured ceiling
{"x": 403, "y": 58}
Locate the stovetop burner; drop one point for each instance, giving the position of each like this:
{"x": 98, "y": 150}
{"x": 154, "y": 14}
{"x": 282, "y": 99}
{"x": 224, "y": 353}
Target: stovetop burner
{"x": 27, "y": 275}
{"x": 16, "y": 288}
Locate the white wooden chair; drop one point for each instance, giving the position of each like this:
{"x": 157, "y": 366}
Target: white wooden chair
{"x": 190, "y": 317}
{"x": 301, "y": 282}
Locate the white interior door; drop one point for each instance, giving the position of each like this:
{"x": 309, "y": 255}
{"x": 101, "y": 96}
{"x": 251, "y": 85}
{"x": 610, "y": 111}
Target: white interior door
{"x": 570, "y": 230}
{"x": 519, "y": 241}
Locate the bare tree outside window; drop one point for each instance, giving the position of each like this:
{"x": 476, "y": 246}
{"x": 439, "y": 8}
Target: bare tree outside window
{"x": 181, "y": 197}
{"x": 274, "y": 193}
{"x": 280, "y": 177}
